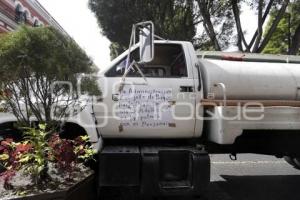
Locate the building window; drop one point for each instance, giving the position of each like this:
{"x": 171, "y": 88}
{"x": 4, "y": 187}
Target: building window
{"x": 19, "y": 14}
{"x": 36, "y": 23}
{"x": 25, "y": 17}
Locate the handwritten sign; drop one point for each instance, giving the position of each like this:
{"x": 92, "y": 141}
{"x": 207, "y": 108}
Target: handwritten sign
{"x": 144, "y": 106}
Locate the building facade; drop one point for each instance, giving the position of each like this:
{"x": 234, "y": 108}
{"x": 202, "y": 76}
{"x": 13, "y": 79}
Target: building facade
{"x": 14, "y": 13}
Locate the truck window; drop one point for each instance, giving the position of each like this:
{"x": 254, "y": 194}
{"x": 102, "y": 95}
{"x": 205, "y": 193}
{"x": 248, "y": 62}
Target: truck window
{"x": 169, "y": 61}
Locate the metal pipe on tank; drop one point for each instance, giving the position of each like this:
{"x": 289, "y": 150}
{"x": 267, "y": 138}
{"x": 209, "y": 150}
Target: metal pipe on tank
{"x": 248, "y": 57}
{"x": 223, "y": 87}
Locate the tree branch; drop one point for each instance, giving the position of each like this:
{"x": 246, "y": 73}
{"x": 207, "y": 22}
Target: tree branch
{"x": 273, "y": 27}
{"x": 14, "y": 101}
{"x": 236, "y": 14}
{"x": 259, "y": 25}
{"x": 295, "y": 42}
{"x": 208, "y": 24}
{"x": 198, "y": 22}
{"x": 266, "y": 13}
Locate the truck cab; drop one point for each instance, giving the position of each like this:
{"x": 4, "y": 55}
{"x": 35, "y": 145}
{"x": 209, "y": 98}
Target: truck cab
{"x": 147, "y": 117}
{"x": 174, "y": 69}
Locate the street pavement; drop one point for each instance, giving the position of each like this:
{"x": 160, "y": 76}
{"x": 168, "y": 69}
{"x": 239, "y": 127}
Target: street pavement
{"x": 252, "y": 177}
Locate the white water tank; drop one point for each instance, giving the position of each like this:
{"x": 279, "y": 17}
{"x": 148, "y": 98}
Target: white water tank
{"x": 251, "y": 80}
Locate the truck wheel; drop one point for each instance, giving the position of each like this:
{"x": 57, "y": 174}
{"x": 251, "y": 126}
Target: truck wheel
{"x": 71, "y": 131}
{"x": 297, "y": 163}
{"x": 289, "y": 160}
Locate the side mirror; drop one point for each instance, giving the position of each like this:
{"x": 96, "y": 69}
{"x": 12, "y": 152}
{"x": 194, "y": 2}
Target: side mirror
{"x": 146, "y": 34}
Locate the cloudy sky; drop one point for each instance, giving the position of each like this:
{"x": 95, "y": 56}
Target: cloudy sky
{"x": 76, "y": 18}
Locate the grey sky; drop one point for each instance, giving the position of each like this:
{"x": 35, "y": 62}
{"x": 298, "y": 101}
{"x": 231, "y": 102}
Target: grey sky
{"x": 76, "y": 18}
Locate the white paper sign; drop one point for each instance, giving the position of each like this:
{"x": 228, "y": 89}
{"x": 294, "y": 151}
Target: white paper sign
{"x": 144, "y": 106}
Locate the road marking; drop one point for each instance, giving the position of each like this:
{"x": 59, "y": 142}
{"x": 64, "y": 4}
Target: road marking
{"x": 248, "y": 162}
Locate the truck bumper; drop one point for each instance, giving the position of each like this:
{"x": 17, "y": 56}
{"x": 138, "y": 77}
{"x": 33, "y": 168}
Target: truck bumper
{"x": 155, "y": 170}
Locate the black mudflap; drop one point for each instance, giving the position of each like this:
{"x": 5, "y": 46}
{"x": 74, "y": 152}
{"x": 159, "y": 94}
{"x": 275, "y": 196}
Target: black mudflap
{"x": 174, "y": 171}
{"x": 119, "y": 166}
{"x": 155, "y": 170}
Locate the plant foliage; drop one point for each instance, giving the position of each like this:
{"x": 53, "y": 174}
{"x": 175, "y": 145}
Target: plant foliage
{"x": 39, "y": 150}
{"x": 39, "y": 70}
{"x": 170, "y": 18}
{"x": 286, "y": 37}
{"x": 209, "y": 24}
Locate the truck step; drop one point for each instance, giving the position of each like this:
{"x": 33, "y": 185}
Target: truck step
{"x": 175, "y": 185}
{"x": 174, "y": 171}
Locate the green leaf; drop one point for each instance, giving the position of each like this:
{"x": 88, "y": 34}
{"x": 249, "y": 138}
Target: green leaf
{"x": 40, "y": 169}
{"x": 42, "y": 127}
{"x": 85, "y": 138}
{"x": 4, "y": 157}
{"x": 39, "y": 160}
{"x": 24, "y": 159}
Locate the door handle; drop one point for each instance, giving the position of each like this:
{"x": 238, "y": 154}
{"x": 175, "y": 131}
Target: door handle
{"x": 115, "y": 97}
{"x": 186, "y": 89}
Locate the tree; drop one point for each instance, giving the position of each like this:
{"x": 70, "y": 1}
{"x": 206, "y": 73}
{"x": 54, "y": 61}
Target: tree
{"x": 219, "y": 21}
{"x": 115, "y": 49}
{"x": 258, "y": 42}
{"x": 172, "y": 19}
{"x": 295, "y": 46}
{"x": 37, "y": 68}
{"x": 286, "y": 38}
{"x": 219, "y": 13}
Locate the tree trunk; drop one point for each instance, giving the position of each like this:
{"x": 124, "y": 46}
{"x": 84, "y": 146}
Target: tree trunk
{"x": 295, "y": 42}
{"x": 273, "y": 27}
{"x": 266, "y": 13}
{"x": 209, "y": 28}
{"x": 239, "y": 44}
{"x": 259, "y": 24}
{"x": 236, "y": 14}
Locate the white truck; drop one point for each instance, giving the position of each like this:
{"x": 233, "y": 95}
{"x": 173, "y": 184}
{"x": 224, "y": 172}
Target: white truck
{"x": 165, "y": 107}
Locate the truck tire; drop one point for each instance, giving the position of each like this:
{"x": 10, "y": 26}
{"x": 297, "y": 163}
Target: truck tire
{"x": 289, "y": 160}
{"x": 295, "y": 162}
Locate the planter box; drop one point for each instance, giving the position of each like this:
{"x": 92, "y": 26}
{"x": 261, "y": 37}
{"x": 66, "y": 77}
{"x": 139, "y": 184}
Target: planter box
{"x": 82, "y": 190}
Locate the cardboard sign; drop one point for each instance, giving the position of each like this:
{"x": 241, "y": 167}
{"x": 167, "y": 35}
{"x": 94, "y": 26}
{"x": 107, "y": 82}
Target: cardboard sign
{"x": 145, "y": 107}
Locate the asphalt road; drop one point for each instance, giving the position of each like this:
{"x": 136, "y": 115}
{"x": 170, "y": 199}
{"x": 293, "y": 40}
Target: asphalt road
{"x": 252, "y": 177}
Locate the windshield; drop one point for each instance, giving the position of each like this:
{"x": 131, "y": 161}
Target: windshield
{"x": 169, "y": 61}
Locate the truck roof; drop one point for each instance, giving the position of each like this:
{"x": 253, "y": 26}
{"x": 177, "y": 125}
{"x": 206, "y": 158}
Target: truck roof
{"x": 248, "y": 57}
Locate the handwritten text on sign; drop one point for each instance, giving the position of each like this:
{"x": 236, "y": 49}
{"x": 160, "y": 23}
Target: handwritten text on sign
{"x": 144, "y": 106}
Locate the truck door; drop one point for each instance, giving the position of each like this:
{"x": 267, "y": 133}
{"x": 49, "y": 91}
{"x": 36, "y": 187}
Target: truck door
{"x": 169, "y": 82}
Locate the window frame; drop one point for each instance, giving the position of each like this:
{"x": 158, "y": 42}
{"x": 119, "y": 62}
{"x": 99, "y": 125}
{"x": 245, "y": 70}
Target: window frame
{"x": 106, "y": 74}
{"x": 19, "y": 14}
